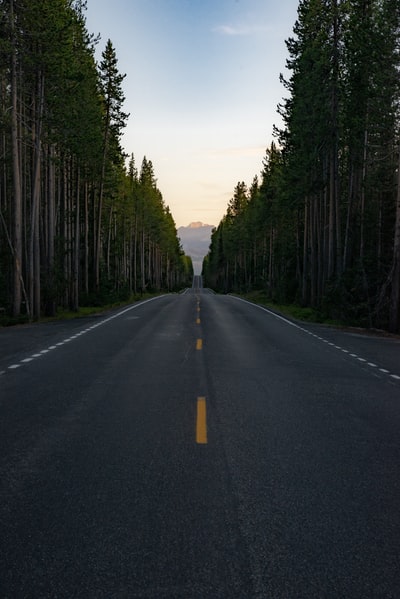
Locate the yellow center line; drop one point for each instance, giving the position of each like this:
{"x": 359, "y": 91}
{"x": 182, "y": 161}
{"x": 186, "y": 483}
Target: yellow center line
{"x": 199, "y": 344}
{"x": 201, "y": 421}
{"x": 198, "y": 321}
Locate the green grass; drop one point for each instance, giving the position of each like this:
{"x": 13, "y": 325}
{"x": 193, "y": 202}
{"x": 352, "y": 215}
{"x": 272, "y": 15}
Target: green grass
{"x": 295, "y": 311}
{"x": 83, "y": 311}
{"x": 91, "y": 310}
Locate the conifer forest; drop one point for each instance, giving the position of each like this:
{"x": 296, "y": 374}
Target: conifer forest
{"x": 79, "y": 223}
{"x": 82, "y": 224}
{"x": 320, "y": 226}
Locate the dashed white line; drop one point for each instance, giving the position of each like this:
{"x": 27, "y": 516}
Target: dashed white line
{"x": 346, "y": 351}
{"x": 77, "y": 335}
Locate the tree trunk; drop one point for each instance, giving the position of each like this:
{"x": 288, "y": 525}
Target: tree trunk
{"x": 313, "y": 251}
{"x": 100, "y": 200}
{"x": 332, "y": 213}
{"x": 142, "y": 262}
{"x": 346, "y": 249}
{"x": 135, "y": 248}
{"x": 75, "y": 293}
{"x": 335, "y": 250}
{"x": 86, "y": 257}
{"x": 16, "y": 169}
{"x": 305, "y": 255}
{"x": 394, "y": 315}
{"x": 34, "y": 245}
{"x": 362, "y": 194}
{"x": 51, "y": 194}
{"x": 109, "y": 237}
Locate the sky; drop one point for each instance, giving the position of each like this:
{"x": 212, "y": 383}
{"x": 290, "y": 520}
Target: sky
{"x": 202, "y": 89}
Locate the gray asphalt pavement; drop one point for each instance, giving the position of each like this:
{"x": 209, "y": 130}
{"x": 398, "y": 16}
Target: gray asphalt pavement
{"x": 198, "y": 446}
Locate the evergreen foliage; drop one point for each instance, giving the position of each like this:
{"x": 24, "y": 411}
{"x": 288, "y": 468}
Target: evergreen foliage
{"x": 76, "y": 225}
{"x": 322, "y": 228}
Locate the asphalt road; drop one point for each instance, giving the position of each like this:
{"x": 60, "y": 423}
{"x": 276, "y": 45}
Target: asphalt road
{"x": 197, "y": 446}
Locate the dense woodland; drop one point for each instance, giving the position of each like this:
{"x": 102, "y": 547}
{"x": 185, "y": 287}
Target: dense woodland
{"x": 321, "y": 226}
{"x": 79, "y": 224}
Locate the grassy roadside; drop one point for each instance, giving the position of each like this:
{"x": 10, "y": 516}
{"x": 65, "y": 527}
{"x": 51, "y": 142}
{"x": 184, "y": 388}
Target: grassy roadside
{"x": 310, "y": 315}
{"x": 292, "y": 310}
{"x": 84, "y": 311}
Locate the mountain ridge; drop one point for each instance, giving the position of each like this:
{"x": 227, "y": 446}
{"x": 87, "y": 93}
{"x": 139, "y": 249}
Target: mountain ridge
{"x": 195, "y": 239}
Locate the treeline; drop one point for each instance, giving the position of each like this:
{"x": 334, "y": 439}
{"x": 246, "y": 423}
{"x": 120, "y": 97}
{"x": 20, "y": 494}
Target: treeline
{"x": 76, "y": 225}
{"x": 321, "y": 228}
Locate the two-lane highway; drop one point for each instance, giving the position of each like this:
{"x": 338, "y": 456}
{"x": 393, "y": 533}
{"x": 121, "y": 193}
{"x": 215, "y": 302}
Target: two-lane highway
{"x": 197, "y": 446}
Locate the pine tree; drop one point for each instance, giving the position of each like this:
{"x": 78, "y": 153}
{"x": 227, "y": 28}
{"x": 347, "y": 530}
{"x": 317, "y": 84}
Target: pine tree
{"x": 114, "y": 120}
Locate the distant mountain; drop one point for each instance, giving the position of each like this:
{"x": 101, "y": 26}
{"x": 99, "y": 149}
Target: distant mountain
{"x": 195, "y": 240}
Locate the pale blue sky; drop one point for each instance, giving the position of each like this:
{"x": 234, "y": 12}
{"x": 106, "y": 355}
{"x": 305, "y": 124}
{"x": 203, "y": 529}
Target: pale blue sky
{"x": 202, "y": 87}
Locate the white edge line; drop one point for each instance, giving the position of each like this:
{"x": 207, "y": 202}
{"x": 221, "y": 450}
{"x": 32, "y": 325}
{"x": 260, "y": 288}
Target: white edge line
{"x": 296, "y": 326}
{"x": 45, "y": 351}
{"x": 278, "y": 316}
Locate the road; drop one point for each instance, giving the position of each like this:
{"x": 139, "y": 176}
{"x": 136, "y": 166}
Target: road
{"x": 198, "y": 446}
